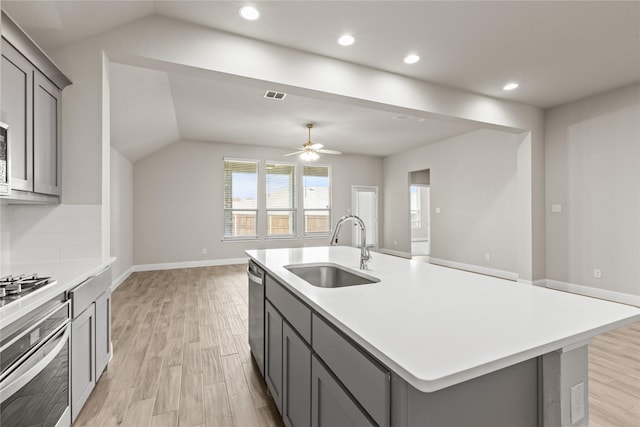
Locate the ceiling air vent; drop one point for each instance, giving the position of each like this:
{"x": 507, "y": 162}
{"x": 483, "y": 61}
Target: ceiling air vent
{"x": 272, "y": 94}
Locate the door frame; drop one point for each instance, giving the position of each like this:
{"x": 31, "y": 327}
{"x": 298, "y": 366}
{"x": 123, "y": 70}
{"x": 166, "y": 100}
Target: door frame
{"x": 368, "y": 188}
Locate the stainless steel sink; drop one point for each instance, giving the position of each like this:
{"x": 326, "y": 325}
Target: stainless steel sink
{"x": 328, "y": 275}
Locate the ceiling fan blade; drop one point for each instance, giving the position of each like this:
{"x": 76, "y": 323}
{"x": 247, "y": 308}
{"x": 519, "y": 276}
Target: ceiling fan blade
{"x": 329, "y": 151}
{"x": 316, "y": 146}
{"x": 294, "y": 153}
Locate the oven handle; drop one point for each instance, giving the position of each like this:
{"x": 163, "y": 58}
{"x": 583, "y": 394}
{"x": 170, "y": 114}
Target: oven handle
{"x": 32, "y": 367}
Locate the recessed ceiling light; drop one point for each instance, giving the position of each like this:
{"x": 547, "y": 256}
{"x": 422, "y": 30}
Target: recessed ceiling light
{"x": 346, "y": 40}
{"x": 510, "y": 86}
{"x": 411, "y": 59}
{"x": 249, "y": 13}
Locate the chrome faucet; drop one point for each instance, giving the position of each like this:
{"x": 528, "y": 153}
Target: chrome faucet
{"x": 365, "y": 256}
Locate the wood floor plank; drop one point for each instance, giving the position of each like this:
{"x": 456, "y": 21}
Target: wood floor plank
{"x": 147, "y": 381}
{"x": 168, "y": 396}
{"x": 216, "y": 405}
{"x": 192, "y": 363}
{"x": 191, "y": 401}
{"x": 211, "y": 366}
{"x": 234, "y": 375}
{"x": 242, "y": 410}
{"x": 139, "y": 413}
{"x": 168, "y": 419}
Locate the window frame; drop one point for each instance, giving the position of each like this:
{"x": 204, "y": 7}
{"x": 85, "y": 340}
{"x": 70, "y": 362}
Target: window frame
{"x": 225, "y": 209}
{"x": 293, "y": 210}
{"x": 312, "y": 235}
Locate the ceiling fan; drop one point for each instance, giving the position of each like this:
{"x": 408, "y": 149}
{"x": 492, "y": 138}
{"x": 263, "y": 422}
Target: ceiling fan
{"x": 310, "y": 150}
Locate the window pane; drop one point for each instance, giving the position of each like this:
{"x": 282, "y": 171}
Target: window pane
{"x": 280, "y": 223}
{"x": 316, "y": 221}
{"x": 240, "y": 223}
{"x": 280, "y": 186}
{"x": 240, "y": 185}
{"x": 316, "y": 187}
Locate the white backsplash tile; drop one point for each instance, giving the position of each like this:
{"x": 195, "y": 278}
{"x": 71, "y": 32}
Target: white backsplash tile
{"x": 37, "y": 233}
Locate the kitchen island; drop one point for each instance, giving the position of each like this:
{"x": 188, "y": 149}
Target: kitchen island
{"x": 458, "y": 347}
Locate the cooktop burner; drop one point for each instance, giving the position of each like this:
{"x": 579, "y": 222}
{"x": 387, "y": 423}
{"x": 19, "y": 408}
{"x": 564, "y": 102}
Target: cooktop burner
{"x": 14, "y": 287}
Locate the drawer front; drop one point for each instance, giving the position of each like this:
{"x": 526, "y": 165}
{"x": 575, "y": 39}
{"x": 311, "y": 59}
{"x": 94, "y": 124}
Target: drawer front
{"x": 292, "y": 309}
{"x": 82, "y": 296}
{"x": 368, "y": 382}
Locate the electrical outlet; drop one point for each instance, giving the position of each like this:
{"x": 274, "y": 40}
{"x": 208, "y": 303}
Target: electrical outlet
{"x": 487, "y": 256}
{"x": 597, "y": 273}
{"x": 437, "y": 210}
{"x": 577, "y": 402}
{"x": 556, "y": 208}
{"x": 204, "y": 251}
{"x": 395, "y": 243}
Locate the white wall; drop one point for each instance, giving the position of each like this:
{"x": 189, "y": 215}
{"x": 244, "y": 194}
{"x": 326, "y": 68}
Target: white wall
{"x": 474, "y": 182}
{"x": 121, "y": 213}
{"x": 593, "y": 172}
{"x": 178, "y": 200}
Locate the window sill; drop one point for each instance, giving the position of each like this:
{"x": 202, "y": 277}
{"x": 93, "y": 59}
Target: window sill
{"x": 240, "y": 239}
{"x": 288, "y": 237}
{"x": 317, "y": 236}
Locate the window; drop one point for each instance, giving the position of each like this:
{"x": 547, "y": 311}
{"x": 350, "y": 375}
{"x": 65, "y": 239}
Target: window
{"x": 281, "y": 200}
{"x": 317, "y": 199}
{"x": 240, "y": 198}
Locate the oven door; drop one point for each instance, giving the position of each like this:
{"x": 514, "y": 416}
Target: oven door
{"x": 37, "y": 391}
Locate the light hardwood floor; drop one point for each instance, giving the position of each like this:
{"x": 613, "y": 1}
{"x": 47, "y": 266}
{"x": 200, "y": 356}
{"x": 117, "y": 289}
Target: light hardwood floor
{"x": 181, "y": 358}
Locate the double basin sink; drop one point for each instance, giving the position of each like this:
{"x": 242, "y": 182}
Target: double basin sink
{"x": 329, "y": 275}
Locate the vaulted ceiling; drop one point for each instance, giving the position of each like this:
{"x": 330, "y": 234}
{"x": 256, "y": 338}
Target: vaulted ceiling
{"x": 557, "y": 51}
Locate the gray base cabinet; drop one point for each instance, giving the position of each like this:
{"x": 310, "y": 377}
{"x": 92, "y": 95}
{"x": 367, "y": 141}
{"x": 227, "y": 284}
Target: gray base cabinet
{"x": 296, "y": 379}
{"x": 331, "y": 404}
{"x": 273, "y": 353}
{"x": 103, "y": 331}
{"x": 83, "y": 359}
{"x": 90, "y": 336}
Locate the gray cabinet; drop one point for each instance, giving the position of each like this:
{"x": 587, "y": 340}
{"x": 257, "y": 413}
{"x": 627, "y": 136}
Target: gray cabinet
{"x": 15, "y": 106}
{"x": 331, "y": 404}
{"x": 31, "y": 106}
{"x": 47, "y": 149}
{"x": 296, "y": 379}
{"x": 103, "y": 331}
{"x": 273, "y": 353}
{"x": 90, "y": 336}
{"x": 83, "y": 359}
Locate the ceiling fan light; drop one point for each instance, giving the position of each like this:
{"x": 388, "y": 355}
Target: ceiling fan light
{"x": 309, "y": 156}
{"x": 249, "y": 13}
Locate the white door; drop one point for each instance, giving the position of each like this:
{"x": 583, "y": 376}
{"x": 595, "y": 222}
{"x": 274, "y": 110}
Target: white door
{"x": 364, "y": 204}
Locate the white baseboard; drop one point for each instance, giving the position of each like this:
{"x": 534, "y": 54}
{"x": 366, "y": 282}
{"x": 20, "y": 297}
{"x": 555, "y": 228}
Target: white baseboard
{"x": 588, "y": 291}
{"x": 121, "y": 278}
{"x": 395, "y": 253}
{"x": 189, "y": 264}
{"x": 509, "y": 275}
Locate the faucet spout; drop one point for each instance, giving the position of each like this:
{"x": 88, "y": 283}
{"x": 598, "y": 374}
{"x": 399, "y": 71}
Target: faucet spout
{"x": 365, "y": 255}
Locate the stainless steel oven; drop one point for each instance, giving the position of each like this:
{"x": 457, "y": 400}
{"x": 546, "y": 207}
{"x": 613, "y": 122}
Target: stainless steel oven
{"x": 256, "y": 313}
{"x": 34, "y": 368}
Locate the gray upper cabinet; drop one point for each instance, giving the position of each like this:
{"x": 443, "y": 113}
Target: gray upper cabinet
{"x": 31, "y": 106}
{"x": 47, "y": 150}
{"x": 16, "y": 103}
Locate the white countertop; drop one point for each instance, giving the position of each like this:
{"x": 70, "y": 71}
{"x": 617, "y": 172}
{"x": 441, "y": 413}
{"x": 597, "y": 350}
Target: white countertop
{"x": 436, "y": 326}
{"x": 67, "y": 273}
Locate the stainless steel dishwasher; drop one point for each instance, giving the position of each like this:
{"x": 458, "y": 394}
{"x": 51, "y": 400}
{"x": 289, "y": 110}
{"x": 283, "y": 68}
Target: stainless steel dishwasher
{"x": 256, "y": 313}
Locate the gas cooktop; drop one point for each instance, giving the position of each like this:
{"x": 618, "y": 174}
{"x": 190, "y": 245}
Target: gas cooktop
{"x": 13, "y": 288}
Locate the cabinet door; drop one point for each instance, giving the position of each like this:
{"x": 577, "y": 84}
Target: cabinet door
{"x": 330, "y": 405}
{"x": 47, "y": 136}
{"x": 16, "y": 107}
{"x": 103, "y": 331}
{"x": 296, "y": 379}
{"x": 83, "y": 346}
{"x": 273, "y": 353}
